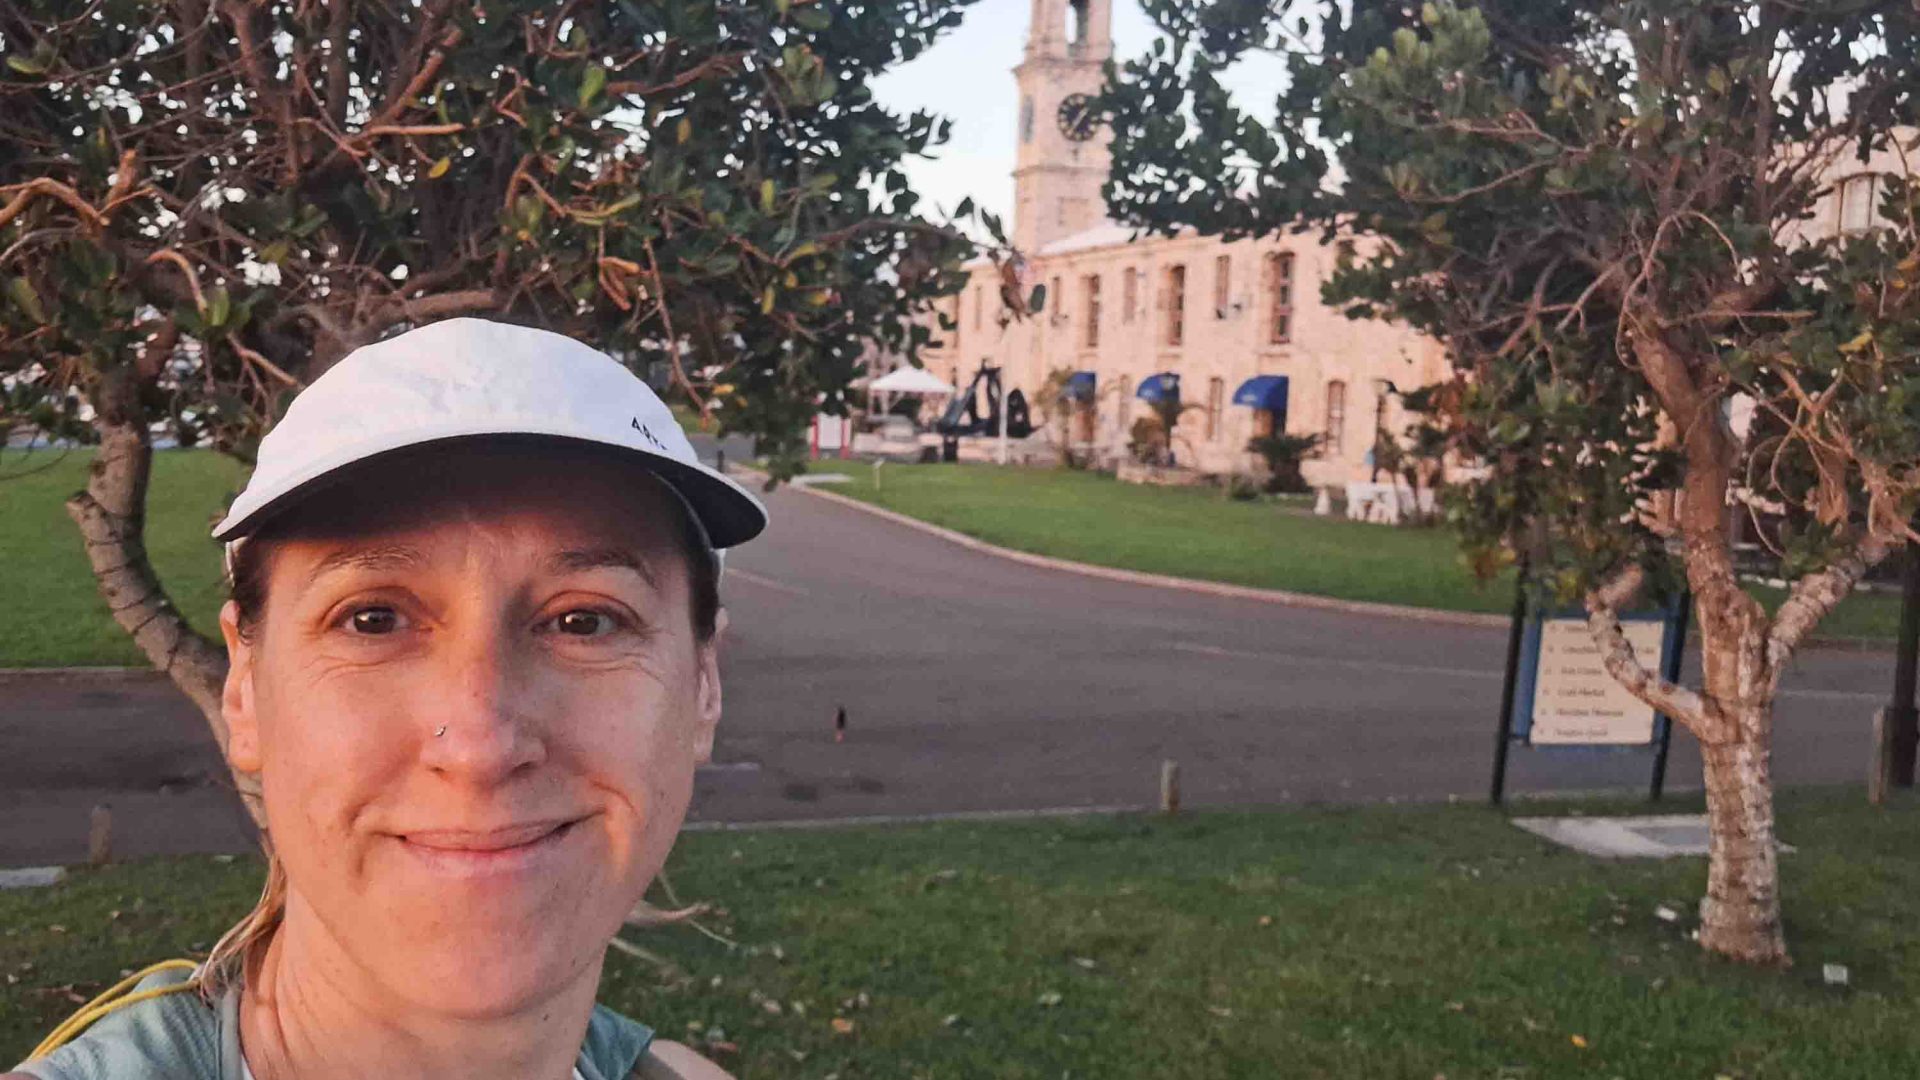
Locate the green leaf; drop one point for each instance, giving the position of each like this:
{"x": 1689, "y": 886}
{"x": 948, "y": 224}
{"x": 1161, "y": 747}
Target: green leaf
{"x": 439, "y": 168}
{"x": 26, "y": 65}
{"x": 219, "y": 306}
{"x": 22, "y": 293}
{"x": 591, "y": 85}
{"x": 683, "y": 130}
{"x": 814, "y": 17}
{"x": 766, "y": 196}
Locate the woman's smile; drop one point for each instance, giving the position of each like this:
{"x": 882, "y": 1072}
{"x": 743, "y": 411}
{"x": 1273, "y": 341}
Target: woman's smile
{"x": 517, "y": 849}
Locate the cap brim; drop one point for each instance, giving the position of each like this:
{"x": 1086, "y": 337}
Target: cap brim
{"x": 728, "y": 512}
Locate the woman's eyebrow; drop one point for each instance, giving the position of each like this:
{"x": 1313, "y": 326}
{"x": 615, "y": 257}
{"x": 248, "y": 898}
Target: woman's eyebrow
{"x": 385, "y": 557}
{"x": 574, "y": 560}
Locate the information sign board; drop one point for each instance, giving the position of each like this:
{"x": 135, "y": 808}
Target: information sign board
{"x": 1565, "y": 696}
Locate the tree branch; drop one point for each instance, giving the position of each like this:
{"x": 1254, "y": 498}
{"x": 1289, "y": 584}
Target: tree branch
{"x": 1815, "y": 595}
{"x": 1616, "y": 653}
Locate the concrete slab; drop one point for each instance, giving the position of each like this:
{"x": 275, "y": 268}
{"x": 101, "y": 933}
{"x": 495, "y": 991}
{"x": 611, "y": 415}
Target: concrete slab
{"x": 32, "y": 877}
{"x": 1656, "y": 836}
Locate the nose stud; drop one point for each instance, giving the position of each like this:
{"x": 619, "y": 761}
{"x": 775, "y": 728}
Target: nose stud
{"x": 439, "y": 731}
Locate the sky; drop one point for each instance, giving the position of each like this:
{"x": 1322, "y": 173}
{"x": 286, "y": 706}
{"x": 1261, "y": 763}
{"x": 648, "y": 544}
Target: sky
{"x": 967, "y": 76}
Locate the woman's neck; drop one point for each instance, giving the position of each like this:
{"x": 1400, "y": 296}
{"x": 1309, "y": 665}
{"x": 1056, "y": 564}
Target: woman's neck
{"x": 310, "y": 1011}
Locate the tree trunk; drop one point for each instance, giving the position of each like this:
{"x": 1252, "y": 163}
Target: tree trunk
{"x": 1740, "y": 915}
{"x": 111, "y": 514}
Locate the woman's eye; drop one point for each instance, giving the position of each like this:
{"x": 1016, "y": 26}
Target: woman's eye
{"x": 585, "y": 623}
{"x": 373, "y": 621}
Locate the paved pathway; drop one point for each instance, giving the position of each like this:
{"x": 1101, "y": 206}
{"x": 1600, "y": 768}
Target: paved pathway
{"x": 971, "y": 684}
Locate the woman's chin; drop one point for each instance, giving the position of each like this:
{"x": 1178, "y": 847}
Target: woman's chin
{"x": 478, "y": 986}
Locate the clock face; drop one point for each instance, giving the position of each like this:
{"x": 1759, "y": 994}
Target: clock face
{"x": 1076, "y": 117}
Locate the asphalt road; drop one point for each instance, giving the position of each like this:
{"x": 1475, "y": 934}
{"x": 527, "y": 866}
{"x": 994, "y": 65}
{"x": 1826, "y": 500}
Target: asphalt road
{"x": 971, "y": 683}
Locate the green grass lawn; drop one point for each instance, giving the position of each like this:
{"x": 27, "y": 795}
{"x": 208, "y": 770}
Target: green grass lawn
{"x": 55, "y": 615}
{"x": 1197, "y": 533}
{"x": 1379, "y": 942}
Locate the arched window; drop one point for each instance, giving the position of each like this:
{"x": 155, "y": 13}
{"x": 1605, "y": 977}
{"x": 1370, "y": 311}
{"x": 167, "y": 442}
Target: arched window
{"x": 1026, "y": 120}
{"x": 1077, "y": 16}
{"x": 1129, "y": 294}
{"x": 1336, "y": 418}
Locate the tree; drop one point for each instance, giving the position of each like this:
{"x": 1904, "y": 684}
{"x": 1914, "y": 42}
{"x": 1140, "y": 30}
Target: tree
{"x": 1610, "y": 215}
{"x": 206, "y": 203}
{"x": 1283, "y": 455}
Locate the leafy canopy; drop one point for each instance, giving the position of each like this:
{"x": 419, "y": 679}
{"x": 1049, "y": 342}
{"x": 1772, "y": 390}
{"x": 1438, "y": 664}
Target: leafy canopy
{"x": 205, "y": 204}
{"x": 1621, "y": 220}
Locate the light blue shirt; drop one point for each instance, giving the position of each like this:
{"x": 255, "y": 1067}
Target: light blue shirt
{"x": 178, "y": 1037}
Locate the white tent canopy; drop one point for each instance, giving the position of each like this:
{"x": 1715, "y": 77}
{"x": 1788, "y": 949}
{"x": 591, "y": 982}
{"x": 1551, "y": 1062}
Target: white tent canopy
{"x": 908, "y": 379}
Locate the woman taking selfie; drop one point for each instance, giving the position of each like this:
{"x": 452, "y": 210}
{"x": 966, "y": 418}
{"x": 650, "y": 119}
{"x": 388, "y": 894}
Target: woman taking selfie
{"x": 473, "y": 633}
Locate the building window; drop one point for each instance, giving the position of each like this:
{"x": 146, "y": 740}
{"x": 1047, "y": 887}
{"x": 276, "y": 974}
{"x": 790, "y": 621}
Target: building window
{"x": 1129, "y": 294}
{"x": 1026, "y": 120}
{"x": 1176, "y": 304}
{"x": 1092, "y": 287}
{"x": 1077, "y": 16}
{"x": 1059, "y": 301}
{"x": 1216, "y": 399}
{"x": 1336, "y": 418}
{"x": 1222, "y": 284}
{"x": 1280, "y": 308}
{"x": 1859, "y": 198}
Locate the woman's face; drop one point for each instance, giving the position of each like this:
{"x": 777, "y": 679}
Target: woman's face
{"x": 535, "y": 605}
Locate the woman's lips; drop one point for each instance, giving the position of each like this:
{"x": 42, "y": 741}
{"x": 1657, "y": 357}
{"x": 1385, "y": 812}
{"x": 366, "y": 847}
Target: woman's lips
{"x": 468, "y": 853}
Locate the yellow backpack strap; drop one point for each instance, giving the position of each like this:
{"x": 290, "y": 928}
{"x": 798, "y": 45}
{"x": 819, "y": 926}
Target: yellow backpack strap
{"x": 111, "y": 999}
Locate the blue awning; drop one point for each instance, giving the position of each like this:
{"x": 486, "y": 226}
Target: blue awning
{"x": 1264, "y": 392}
{"x": 1079, "y": 386}
{"x": 1161, "y": 387}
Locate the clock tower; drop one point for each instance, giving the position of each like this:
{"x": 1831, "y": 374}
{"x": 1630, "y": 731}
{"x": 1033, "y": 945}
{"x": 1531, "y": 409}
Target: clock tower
{"x": 1061, "y": 159}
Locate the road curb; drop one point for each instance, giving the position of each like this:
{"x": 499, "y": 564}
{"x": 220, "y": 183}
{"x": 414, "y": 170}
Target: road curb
{"x": 1217, "y": 588}
{"x": 1164, "y": 581}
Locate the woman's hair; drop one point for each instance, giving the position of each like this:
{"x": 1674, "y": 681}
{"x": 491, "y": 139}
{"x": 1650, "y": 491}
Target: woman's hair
{"x": 239, "y": 949}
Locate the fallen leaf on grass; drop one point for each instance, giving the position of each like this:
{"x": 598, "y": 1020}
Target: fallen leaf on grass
{"x": 1578, "y": 1040}
{"x": 1051, "y": 998}
{"x": 842, "y": 1026}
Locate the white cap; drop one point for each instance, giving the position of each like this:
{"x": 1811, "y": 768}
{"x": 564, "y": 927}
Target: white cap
{"x": 470, "y": 377}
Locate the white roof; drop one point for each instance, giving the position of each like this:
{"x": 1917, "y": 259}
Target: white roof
{"x": 910, "y": 380}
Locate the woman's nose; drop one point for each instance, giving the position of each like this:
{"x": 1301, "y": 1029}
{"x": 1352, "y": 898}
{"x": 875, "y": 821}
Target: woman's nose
{"x": 481, "y": 725}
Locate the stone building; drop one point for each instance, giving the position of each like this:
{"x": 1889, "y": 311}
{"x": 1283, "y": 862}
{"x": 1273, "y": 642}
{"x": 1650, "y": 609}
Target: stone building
{"x": 1226, "y": 323}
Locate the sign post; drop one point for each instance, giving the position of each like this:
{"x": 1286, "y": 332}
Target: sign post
{"x": 1515, "y": 635}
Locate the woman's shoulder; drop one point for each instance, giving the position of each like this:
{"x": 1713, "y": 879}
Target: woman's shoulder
{"x": 152, "y": 1025}
{"x": 622, "y": 1047}
{"x": 666, "y": 1060}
